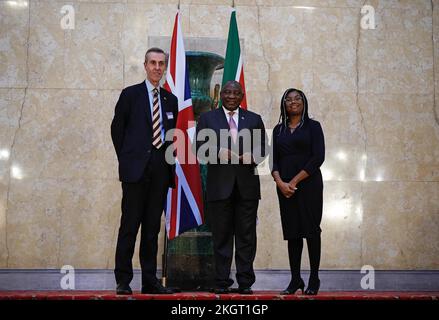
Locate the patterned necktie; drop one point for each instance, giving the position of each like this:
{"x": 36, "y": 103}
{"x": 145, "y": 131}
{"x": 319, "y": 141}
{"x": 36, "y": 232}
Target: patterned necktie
{"x": 156, "y": 125}
{"x": 233, "y": 127}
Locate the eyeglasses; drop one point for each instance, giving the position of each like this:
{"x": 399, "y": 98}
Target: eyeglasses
{"x": 289, "y": 101}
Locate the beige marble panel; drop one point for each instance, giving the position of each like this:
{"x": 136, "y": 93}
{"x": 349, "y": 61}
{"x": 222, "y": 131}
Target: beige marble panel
{"x": 400, "y": 220}
{"x": 310, "y": 4}
{"x": 400, "y": 4}
{"x": 261, "y": 102}
{"x": 66, "y": 134}
{"x": 287, "y": 47}
{"x": 88, "y": 56}
{"x": 220, "y": 2}
{"x": 313, "y": 3}
{"x": 340, "y": 116}
{"x": 396, "y": 57}
{"x": 13, "y": 45}
{"x": 92, "y": 1}
{"x": 189, "y": 2}
{"x": 209, "y": 21}
{"x": 341, "y": 225}
{"x": 335, "y": 35}
{"x": 34, "y": 223}
{"x": 422, "y": 223}
{"x": 11, "y": 101}
{"x": 436, "y": 57}
{"x": 90, "y": 222}
{"x": 54, "y": 222}
{"x": 4, "y": 252}
{"x": 402, "y": 137}
{"x": 97, "y": 1}
{"x": 345, "y": 136}
{"x": 345, "y": 162}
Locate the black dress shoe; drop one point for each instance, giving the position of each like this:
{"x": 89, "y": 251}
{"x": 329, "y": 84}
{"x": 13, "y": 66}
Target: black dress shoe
{"x": 313, "y": 287}
{"x": 156, "y": 288}
{"x": 123, "y": 289}
{"x": 245, "y": 290}
{"x": 293, "y": 287}
{"x": 221, "y": 290}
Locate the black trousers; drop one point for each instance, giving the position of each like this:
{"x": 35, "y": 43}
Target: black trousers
{"x": 234, "y": 220}
{"x": 142, "y": 204}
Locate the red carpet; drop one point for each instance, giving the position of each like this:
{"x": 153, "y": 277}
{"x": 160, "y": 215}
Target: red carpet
{"x": 258, "y": 295}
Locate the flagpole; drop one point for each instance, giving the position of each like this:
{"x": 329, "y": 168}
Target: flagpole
{"x": 165, "y": 260}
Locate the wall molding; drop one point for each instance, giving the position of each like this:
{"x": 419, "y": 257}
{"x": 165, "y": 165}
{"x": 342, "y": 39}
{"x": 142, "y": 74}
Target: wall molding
{"x": 331, "y": 280}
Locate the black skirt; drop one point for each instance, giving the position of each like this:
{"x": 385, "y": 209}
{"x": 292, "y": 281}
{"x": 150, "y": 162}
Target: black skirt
{"x": 301, "y": 214}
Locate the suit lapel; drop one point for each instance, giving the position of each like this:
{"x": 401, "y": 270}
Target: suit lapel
{"x": 222, "y": 119}
{"x": 144, "y": 102}
{"x": 164, "y": 103}
{"x": 242, "y": 121}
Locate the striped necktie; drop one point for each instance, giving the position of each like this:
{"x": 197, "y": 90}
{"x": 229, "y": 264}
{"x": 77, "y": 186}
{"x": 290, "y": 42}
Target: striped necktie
{"x": 156, "y": 125}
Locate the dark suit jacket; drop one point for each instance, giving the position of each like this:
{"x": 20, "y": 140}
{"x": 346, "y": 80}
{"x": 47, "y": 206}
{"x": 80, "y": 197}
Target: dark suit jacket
{"x": 221, "y": 178}
{"x": 131, "y": 130}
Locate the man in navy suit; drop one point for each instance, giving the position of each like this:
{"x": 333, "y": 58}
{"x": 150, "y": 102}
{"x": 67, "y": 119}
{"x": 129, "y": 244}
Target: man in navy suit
{"x": 143, "y": 115}
{"x": 233, "y": 187}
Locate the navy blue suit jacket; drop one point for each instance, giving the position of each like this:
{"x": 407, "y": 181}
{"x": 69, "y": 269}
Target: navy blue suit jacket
{"x": 131, "y": 130}
{"x": 221, "y": 178}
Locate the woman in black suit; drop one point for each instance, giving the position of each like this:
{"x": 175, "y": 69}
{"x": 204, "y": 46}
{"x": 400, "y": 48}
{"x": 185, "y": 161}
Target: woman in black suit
{"x": 298, "y": 153}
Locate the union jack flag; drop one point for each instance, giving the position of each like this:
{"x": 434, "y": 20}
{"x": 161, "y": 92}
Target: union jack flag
{"x": 184, "y": 206}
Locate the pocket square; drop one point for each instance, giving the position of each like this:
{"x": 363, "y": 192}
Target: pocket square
{"x": 169, "y": 115}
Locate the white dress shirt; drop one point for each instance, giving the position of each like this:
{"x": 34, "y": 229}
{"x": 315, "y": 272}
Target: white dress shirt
{"x": 235, "y": 115}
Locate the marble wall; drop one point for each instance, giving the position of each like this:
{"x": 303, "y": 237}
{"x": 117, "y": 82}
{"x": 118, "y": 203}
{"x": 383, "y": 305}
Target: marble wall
{"x": 375, "y": 92}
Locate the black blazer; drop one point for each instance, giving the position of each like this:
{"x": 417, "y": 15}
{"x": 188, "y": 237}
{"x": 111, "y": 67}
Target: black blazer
{"x": 131, "y": 130}
{"x": 221, "y": 178}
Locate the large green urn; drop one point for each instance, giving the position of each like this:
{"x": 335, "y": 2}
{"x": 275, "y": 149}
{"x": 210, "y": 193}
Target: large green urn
{"x": 201, "y": 67}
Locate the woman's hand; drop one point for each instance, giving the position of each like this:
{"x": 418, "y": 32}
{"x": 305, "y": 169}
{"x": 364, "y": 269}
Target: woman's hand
{"x": 286, "y": 189}
{"x": 293, "y": 185}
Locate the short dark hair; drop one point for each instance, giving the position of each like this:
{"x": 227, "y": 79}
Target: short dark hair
{"x": 232, "y": 83}
{"x": 156, "y": 50}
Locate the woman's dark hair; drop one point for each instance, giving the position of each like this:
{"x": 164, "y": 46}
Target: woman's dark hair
{"x": 283, "y": 118}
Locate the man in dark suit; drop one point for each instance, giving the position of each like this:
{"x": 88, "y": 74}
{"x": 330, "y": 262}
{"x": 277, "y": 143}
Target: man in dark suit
{"x": 143, "y": 115}
{"x": 233, "y": 188}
